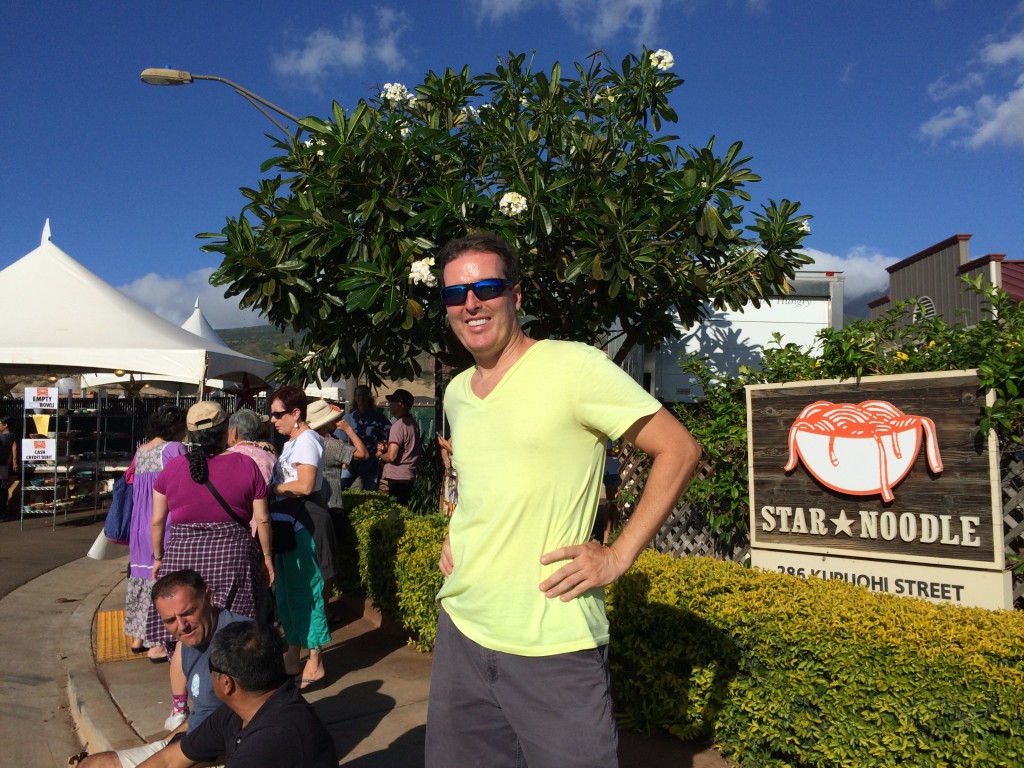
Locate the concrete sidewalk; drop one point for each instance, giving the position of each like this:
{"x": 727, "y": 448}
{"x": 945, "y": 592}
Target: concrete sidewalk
{"x": 373, "y": 701}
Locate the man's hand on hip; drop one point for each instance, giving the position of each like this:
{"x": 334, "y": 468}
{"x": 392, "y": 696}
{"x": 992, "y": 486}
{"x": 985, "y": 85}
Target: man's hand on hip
{"x": 591, "y": 565}
{"x": 445, "y": 562}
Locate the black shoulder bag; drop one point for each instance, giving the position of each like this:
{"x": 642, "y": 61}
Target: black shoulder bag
{"x": 282, "y": 533}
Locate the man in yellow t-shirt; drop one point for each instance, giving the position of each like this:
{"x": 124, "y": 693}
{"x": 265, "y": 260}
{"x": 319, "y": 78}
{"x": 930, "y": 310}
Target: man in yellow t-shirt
{"x": 520, "y": 670}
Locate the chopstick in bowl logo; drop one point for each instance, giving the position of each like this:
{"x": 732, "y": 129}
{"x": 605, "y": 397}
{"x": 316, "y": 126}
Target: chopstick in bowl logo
{"x": 860, "y": 449}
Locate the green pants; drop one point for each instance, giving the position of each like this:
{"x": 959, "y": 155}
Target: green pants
{"x": 299, "y": 592}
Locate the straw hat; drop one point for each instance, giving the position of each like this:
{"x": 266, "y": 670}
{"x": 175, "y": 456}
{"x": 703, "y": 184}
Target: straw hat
{"x": 320, "y": 413}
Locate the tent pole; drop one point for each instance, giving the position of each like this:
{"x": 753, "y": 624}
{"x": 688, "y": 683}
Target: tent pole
{"x": 202, "y": 381}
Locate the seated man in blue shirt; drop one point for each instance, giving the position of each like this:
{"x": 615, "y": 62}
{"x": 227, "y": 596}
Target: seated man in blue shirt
{"x": 185, "y": 604}
{"x": 264, "y": 721}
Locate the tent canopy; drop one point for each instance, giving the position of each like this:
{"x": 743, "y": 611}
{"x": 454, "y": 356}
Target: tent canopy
{"x": 61, "y": 317}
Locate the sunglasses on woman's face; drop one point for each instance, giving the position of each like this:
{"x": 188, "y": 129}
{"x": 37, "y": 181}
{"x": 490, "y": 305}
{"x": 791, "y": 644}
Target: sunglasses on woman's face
{"x": 278, "y": 414}
{"x": 492, "y": 288}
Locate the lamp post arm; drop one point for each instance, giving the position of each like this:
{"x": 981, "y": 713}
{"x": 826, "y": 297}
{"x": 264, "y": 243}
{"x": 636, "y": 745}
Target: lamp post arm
{"x": 253, "y": 99}
{"x": 266, "y": 114}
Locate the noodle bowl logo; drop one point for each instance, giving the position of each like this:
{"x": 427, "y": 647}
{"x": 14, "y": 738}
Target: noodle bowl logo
{"x": 860, "y": 449}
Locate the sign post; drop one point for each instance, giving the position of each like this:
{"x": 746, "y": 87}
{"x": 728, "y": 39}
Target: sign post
{"x": 883, "y": 482}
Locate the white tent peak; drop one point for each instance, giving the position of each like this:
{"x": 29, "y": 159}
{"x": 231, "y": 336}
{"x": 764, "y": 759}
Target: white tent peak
{"x": 200, "y": 326}
{"x": 62, "y": 316}
{"x": 46, "y": 233}
{"x": 197, "y": 303}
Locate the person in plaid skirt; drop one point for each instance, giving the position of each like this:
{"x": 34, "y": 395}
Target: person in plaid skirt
{"x": 205, "y": 537}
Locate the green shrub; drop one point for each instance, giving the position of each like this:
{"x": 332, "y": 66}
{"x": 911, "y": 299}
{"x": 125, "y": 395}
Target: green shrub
{"x": 352, "y": 500}
{"x": 418, "y": 579}
{"x": 894, "y": 343}
{"x": 358, "y": 505}
{"x": 426, "y": 488}
{"x": 785, "y": 671}
{"x": 378, "y": 525}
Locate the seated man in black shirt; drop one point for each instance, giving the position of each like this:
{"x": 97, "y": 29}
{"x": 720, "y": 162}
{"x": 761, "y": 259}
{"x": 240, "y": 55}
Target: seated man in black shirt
{"x": 263, "y": 721}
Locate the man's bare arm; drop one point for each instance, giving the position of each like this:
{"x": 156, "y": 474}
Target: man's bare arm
{"x": 675, "y": 454}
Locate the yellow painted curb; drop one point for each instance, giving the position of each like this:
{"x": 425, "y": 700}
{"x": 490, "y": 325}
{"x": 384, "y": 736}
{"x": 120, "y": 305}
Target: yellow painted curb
{"x": 111, "y": 642}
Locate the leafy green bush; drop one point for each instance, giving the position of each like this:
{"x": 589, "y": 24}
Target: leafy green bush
{"x": 785, "y": 671}
{"x": 378, "y": 527}
{"x": 418, "y": 579}
{"x": 426, "y": 488}
{"x": 357, "y": 506}
{"x": 888, "y": 345}
{"x": 397, "y": 555}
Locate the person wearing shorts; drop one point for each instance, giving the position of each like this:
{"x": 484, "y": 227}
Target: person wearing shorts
{"x": 185, "y": 605}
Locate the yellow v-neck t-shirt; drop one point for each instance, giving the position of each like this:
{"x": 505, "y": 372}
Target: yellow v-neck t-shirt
{"x": 530, "y": 460}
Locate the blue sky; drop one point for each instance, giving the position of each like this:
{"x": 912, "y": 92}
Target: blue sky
{"x": 896, "y": 124}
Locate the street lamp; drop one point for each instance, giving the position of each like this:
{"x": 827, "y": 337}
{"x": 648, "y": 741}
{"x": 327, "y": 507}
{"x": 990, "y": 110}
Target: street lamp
{"x": 179, "y": 77}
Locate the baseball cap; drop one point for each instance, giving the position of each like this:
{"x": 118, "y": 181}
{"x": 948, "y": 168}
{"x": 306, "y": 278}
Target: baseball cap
{"x": 203, "y": 415}
{"x": 401, "y": 395}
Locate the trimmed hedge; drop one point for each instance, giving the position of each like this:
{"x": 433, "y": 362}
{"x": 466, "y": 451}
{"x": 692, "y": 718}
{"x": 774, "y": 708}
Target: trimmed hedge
{"x": 782, "y": 671}
{"x": 393, "y": 555}
{"x": 778, "y": 670}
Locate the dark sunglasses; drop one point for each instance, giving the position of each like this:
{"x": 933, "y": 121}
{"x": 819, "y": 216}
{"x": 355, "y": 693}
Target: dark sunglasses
{"x": 214, "y": 670}
{"x": 492, "y": 288}
{"x": 278, "y": 414}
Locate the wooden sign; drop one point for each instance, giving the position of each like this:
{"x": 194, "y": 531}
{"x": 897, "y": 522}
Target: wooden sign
{"x": 849, "y": 478}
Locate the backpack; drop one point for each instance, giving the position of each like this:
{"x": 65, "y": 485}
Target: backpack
{"x": 117, "y": 526}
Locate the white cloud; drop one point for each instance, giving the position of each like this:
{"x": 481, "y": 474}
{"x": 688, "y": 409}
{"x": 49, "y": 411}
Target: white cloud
{"x": 1005, "y": 52}
{"x": 944, "y": 87}
{"x": 600, "y": 20}
{"x": 995, "y": 117}
{"x": 1000, "y": 122}
{"x": 865, "y": 277}
{"x": 604, "y": 19}
{"x": 990, "y": 120}
{"x": 173, "y": 298}
{"x": 496, "y": 10}
{"x": 946, "y": 122}
{"x": 325, "y": 52}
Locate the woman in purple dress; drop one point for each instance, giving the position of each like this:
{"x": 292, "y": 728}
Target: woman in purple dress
{"x": 165, "y": 430}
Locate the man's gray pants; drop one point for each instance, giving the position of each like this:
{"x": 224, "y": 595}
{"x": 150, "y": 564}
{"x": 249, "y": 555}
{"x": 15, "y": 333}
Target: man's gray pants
{"x": 500, "y": 710}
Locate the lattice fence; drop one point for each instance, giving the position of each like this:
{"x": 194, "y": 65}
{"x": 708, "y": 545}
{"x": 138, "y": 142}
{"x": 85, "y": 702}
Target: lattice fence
{"x": 1011, "y": 466}
{"x": 686, "y": 531}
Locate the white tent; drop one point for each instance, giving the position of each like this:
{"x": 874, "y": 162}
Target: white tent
{"x": 254, "y": 374}
{"x": 60, "y": 317}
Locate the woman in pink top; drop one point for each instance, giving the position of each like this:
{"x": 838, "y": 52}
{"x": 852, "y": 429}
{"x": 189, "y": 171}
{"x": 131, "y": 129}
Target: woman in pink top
{"x": 205, "y": 536}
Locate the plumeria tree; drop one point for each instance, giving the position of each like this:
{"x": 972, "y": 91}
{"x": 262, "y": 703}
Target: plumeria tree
{"x": 620, "y": 228}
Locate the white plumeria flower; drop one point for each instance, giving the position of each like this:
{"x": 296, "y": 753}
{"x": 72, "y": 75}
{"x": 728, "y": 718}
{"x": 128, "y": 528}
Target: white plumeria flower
{"x": 662, "y": 60}
{"x": 512, "y": 204}
{"x": 315, "y": 140}
{"x": 419, "y": 272}
{"x": 606, "y": 95}
{"x": 406, "y": 130}
{"x": 805, "y": 227}
{"x": 395, "y": 93}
